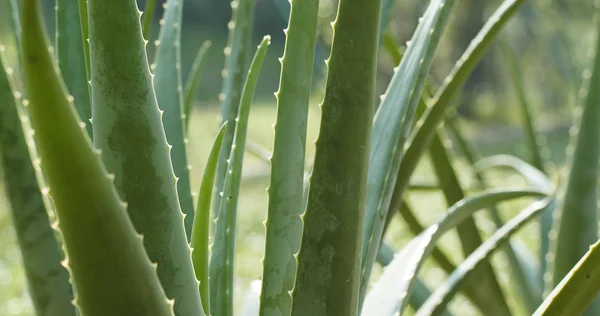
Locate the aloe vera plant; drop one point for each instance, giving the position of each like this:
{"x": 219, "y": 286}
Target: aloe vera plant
{"x": 99, "y": 181}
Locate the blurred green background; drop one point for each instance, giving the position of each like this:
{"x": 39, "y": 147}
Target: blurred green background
{"x": 550, "y": 38}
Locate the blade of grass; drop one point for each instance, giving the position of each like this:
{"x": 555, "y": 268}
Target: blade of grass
{"x": 191, "y": 84}
{"x": 392, "y": 123}
{"x": 199, "y": 241}
{"x": 328, "y": 277}
{"x": 168, "y": 90}
{"x": 106, "y": 258}
{"x": 388, "y": 294}
{"x": 237, "y": 53}
{"x": 71, "y": 58}
{"x": 444, "y": 293}
{"x": 575, "y": 225}
{"x": 223, "y": 247}
{"x": 129, "y": 131}
{"x": 283, "y": 224}
{"x": 48, "y": 281}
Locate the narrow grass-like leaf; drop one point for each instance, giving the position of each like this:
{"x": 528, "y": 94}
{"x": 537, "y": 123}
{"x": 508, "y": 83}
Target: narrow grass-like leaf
{"x": 191, "y": 84}
{"x": 129, "y": 131}
{"x": 420, "y": 140}
{"x": 199, "y": 241}
{"x": 577, "y": 290}
{"x": 71, "y": 58}
{"x": 392, "y": 123}
{"x": 168, "y": 89}
{"x": 49, "y": 287}
{"x": 388, "y": 295}
{"x": 489, "y": 292}
{"x": 516, "y": 79}
{"x": 106, "y": 259}
{"x": 283, "y": 224}
{"x": 575, "y": 225}
{"x": 525, "y": 274}
{"x": 148, "y": 17}
{"x": 328, "y": 277}
{"x": 444, "y": 293}
{"x": 420, "y": 291}
{"x": 223, "y": 248}
{"x": 236, "y": 58}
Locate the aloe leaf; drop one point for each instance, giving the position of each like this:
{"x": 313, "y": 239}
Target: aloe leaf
{"x": 83, "y": 16}
{"x": 191, "y": 84}
{"x": 223, "y": 247}
{"x": 236, "y": 55}
{"x": 531, "y": 174}
{"x": 129, "y": 131}
{"x": 328, "y": 277}
{"x": 434, "y": 115}
{"x": 387, "y": 296}
{"x": 283, "y": 224}
{"x": 147, "y": 18}
{"x": 516, "y": 78}
{"x": 576, "y": 221}
{"x": 199, "y": 241}
{"x": 420, "y": 291}
{"x": 48, "y": 280}
{"x": 392, "y": 123}
{"x": 577, "y": 290}
{"x": 71, "y": 58}
{"x": 444, "y": 293}
{"x": 106, "y": 258}
{"x": 522, "y": 270}
{"x": 489, "y": 291}
{"x": 537, "y": 179}
{"x": 168, "y": 89}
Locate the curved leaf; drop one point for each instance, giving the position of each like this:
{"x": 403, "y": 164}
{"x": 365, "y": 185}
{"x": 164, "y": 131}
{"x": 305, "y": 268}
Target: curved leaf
{"x": 223, "y": 248}
{"x": 444, "y": 293}
{"x": 387, "y": 297}
{"x": 199, "y": 241}
{"x": 106, "y": 259}
{"x": 191, "y": 84}
{"x": 129, "y": 131}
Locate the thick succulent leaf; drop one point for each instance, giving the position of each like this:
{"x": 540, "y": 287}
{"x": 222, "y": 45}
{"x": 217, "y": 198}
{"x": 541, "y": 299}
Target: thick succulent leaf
{"x": 83, "y": 16}
{"x": 577, "y": 290}
{"x": 516, "y": 79}
{"x": 191, "y": 84}
{"x": 283, "y": 224}
{"x": 387, "y": 297}
{"x": 71, "y": 58}
{"x": 391, "y": 126}
{"x": 168, "y": 89}
{"x": 576, "y": 220}
{"x": 48, "y": 280}
{"x": 129, "y": 131}
{"x": 328, "y": 277}
{"x": 427, "y": 126}
{"x": 148, "y": 17}
{"x": 200, "y": 231}
{"x": 223, "y": 248}
{"x": 444, "y": 293}
{"x": 237, "y": 53}
{"x": 106, "y": 258}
